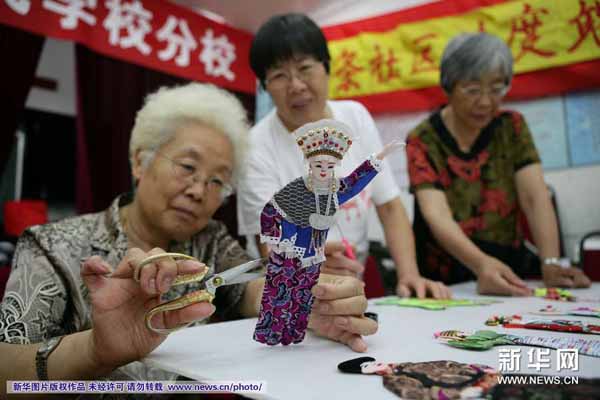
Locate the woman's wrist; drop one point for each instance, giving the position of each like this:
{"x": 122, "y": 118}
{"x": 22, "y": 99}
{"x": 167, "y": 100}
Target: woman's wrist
{"x": 94, "y": 356}
{"x": 75, "y": 358}
{"x": 479, "y": 264}
{"x": 406, "y": 270}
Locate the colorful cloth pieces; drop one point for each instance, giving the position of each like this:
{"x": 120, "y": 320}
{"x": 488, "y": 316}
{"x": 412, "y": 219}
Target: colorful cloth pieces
{"x": 484, "y": 340}
{"x": 554, "y": 294}
{"x": 496, "y": 320}
{"x": 480, "y": 340}
{"x": 430, "y": 380}
{"x": 585, "y": 312}
{"x": 432, "y": 304}
{"x": 579, "y": 311}
{"x": 556, "y": 325}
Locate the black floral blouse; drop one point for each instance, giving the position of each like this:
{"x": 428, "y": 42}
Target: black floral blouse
{"x": 479, "y": 186}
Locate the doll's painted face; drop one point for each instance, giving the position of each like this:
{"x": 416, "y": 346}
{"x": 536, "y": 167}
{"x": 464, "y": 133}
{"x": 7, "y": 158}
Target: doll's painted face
{"x": 374, "y": 367}
{"x": 322, "y": 167}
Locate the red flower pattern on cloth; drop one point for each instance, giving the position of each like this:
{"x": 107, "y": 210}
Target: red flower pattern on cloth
{"x": 494, "y": 200}
{"x": 419, "y": 168}
{"x": 438, "y": 260}
{"x": 517, "y": 120}
{"x": 471, "y": 225}
{"x": 468, "y": 170}
{"x": 445, "y": 179}
{"x": 481, "y": 191}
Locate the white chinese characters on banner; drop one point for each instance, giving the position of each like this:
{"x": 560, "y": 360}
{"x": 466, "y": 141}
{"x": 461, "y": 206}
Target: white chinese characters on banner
{"x": 133, "y": 17}
{"x": 217, "y": 55}
{"x": 509, "y": 360}
{"x": 19, "y": 6}
{"x": 182, "y": 44}
{"x": 73, "y": 11}
{"x": 142, "y": 31}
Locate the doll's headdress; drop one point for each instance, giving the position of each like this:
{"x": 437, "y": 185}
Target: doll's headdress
{"x": 324, "y": 137}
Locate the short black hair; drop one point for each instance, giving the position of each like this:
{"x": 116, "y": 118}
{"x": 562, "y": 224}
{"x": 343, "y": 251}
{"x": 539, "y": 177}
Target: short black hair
{"x": 284, "y": 36}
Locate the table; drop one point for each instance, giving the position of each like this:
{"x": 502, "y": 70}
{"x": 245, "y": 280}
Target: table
{"x": 226, "y": 351}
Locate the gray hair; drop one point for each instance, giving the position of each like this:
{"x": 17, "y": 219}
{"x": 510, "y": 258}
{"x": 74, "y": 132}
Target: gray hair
{"x": 170, "y": 108}
{"x": 470, "y": 55}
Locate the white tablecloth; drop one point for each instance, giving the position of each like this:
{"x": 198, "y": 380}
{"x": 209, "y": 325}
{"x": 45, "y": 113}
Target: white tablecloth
{"x": 226, "y": 351}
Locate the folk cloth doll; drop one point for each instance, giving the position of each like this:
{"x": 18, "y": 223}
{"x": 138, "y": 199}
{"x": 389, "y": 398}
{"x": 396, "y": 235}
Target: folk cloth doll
{"x": 430, "y": 380}
{"x": 294, "y": 225}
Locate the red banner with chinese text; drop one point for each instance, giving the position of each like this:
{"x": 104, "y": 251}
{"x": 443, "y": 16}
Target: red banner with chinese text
{"x": 391, "y": 62}
{"x": 152, "y": 33}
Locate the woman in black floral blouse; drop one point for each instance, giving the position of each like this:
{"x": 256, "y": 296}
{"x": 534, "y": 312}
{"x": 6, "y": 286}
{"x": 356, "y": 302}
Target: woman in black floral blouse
{"x": 472, "y": 168}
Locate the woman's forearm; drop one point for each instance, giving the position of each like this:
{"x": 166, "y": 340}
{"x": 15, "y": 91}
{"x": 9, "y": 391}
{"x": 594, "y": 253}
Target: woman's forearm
{"x": 543, "y": 225}
{"x": 399, "y": 236}
{"x": 534, "y": 199}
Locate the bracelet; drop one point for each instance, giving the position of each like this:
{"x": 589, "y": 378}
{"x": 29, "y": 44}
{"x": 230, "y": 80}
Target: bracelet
{"x": 561, "y": 262}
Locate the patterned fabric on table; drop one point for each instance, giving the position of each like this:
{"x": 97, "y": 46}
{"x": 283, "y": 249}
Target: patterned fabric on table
{"x": 440, "y": 380}
{"x": 479, "y": 186}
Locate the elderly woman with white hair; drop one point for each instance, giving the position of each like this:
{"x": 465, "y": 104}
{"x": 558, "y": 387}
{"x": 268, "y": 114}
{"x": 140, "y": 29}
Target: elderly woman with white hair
{"x": 472, "y": 168}
{"x": 61, "y": 320}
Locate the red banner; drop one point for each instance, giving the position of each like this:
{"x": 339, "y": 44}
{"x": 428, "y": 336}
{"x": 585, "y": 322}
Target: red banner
{"x": 151, "y": 33}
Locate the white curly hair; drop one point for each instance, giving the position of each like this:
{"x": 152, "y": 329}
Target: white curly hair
{"x": 170, "y": 108}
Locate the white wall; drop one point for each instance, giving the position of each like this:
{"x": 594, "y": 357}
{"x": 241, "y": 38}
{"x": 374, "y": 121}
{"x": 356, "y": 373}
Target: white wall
{"x": 57, "y": 62}
{"x": 333, "y": 12}
{"x": 578, "y": 196}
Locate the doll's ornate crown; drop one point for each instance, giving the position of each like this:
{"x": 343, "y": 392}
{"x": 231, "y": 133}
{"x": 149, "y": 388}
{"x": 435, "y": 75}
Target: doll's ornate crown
{"x": 324, "y": 137}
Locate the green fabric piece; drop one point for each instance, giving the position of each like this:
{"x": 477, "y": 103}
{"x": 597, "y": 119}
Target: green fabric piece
{"x": 543, "y": 292}
{"x": 481, "y": 340}
{"x": 432, "y": 304}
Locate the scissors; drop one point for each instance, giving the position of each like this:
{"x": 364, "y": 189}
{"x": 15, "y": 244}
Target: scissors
{"x": 232, "y": 276}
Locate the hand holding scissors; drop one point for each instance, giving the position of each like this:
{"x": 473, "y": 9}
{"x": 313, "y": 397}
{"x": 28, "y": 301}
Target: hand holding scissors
{"x": 232, "y": 276}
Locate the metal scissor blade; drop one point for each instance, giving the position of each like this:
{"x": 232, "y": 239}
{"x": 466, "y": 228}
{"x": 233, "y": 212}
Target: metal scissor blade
{"x": 237, "y": 274}
{"x": 245, "y": 277}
